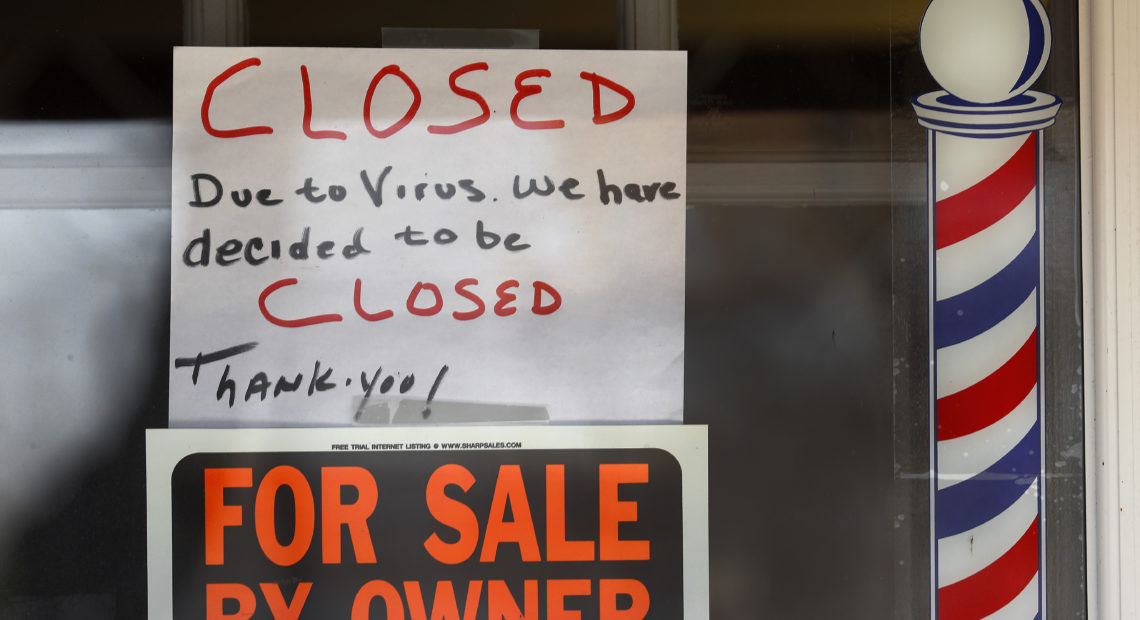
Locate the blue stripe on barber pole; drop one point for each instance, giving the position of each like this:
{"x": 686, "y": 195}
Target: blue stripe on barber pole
{"x": 987, "y": 494}
{"x": 964, "y": 316}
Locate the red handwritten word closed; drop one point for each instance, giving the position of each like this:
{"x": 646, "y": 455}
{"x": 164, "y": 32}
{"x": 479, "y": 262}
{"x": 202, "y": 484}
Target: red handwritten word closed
{"x": 527, "y": 84}
{"x": 547, "y": 300}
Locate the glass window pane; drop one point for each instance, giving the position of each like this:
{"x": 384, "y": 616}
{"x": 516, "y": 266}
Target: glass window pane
{"x": 807, "y": 286}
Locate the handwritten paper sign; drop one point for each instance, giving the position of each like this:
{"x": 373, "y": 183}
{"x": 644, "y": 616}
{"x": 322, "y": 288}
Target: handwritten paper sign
{"x": 426, "y": 226}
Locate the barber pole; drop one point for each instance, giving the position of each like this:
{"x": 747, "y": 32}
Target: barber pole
{"x": 986, "y": 305}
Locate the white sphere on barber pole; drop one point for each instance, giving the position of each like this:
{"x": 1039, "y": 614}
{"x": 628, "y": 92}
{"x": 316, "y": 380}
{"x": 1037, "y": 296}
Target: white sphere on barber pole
{"x": 985, "y": 51}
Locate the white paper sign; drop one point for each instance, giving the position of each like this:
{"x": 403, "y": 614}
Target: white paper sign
{"x": 353, "y": 227}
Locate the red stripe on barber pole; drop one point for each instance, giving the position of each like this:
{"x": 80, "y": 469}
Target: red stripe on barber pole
{"x": 974, "y": 209}
{"x": 992, "y": 398}
{"x": 993, "y": 587}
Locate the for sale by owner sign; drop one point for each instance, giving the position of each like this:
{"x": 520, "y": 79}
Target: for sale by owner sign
{"x": 418, "y": 523}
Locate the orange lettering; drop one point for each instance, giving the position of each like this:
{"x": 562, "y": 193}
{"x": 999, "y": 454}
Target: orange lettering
{"x": 217, "y": 593}
{"x": 276, "y": 600}
{"x": 265, "y": 520}
{"x": 509, "y": 488}
{"x": 334, "y": 514}
{"x": 362, "y": 604}
{"x": 501, "y": 604}
{"x": 613, "y": 512}
{"x": 608, "y": 591}
{"x": 444, "y": 606}
{"x": 556, "y": 592}
{"x": 218, "y": 515}
{"x": 453, "y": 514}
{"x": 558, "y": 549}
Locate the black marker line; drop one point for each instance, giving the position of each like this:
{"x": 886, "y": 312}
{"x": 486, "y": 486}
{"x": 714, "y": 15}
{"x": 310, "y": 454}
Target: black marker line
{"x": 434, "y": 387}
{"x": 200, "y": 359}
{"x": 368, "y": 385}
